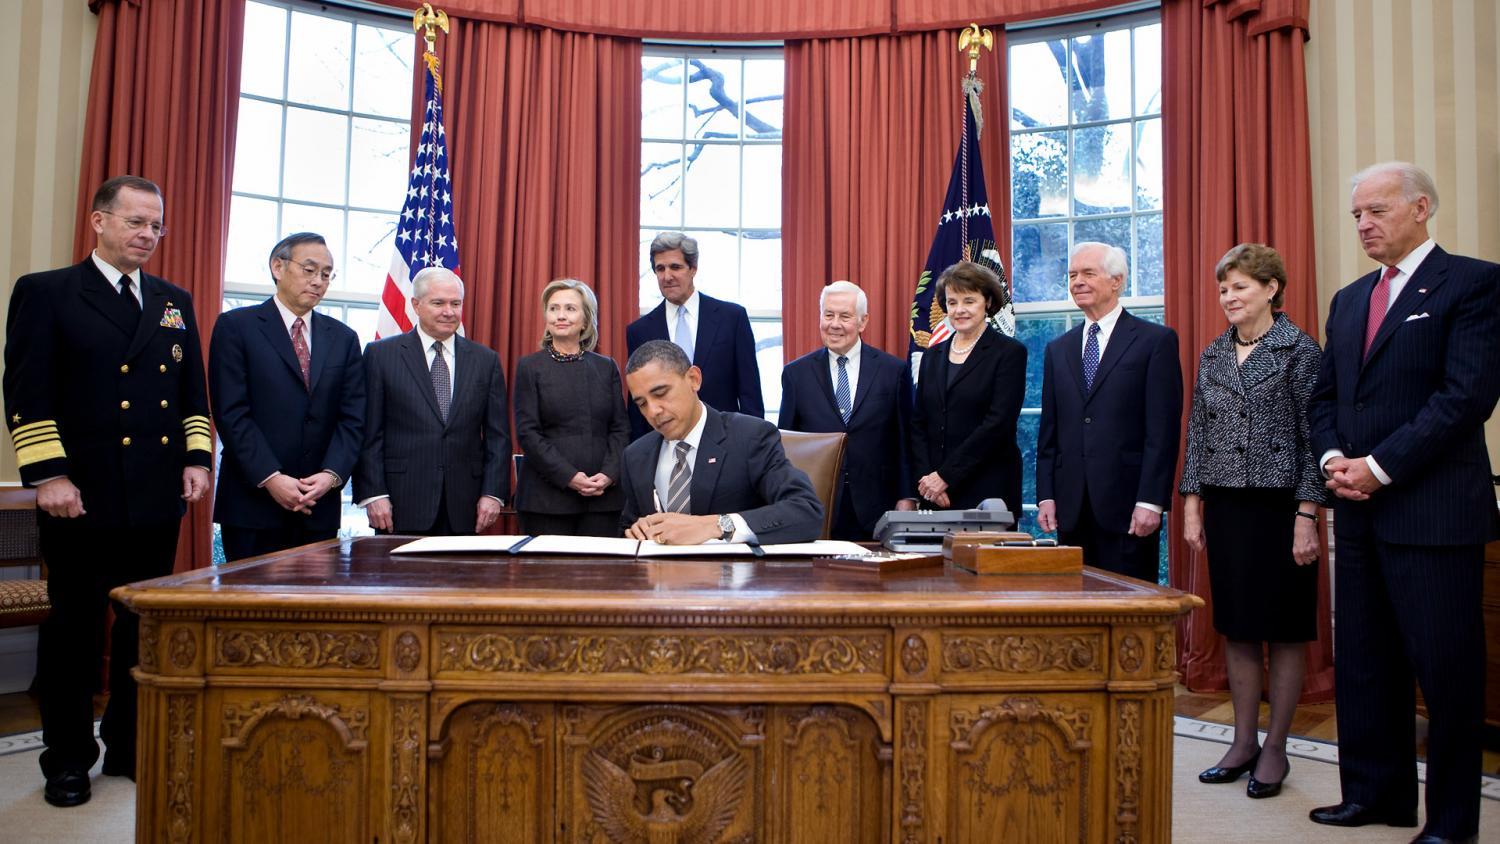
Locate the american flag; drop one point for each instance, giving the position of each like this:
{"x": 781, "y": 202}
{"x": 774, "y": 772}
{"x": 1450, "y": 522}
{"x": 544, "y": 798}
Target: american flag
{"x": 964, "y": 233}
{"x": 424, "y": 231}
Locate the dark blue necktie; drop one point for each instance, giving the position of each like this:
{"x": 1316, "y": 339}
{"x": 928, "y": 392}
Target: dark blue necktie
{"x": 1091, "y": 357}
{"x": 841, "y": 393}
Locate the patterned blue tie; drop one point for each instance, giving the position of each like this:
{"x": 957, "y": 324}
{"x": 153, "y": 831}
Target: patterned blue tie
{"x": 841, "y": 393}
{"x": 684, "y": 336}
{"x": 1091, "y": 357}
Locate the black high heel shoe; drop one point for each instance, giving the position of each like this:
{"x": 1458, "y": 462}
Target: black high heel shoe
{"x": 1219, "y": 773}
{"x": 1258, "y": 789}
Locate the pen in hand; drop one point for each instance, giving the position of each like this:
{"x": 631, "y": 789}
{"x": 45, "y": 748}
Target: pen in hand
{"x": 656, "y": 500}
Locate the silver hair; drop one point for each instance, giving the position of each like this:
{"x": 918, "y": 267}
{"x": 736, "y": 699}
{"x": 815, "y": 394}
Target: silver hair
{"x": 667, "y": 241}
{"x": 1114, "y": 261}
{"x": 422, "y": 279}
{"x": 1414, "y": 181}
{"x": 861, "y": 301}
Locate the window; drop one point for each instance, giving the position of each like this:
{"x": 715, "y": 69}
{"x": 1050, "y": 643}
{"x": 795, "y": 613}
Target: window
{"x": 1086, "y": 164}
{"x": 711, "y": 167}
{"x": 322, "y": 145}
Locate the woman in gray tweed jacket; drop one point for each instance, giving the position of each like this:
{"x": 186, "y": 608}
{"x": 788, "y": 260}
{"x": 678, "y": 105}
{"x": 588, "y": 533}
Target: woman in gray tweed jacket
{"x": 1251, "y": 492}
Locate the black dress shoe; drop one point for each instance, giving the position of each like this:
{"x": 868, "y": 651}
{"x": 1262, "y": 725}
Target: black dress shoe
{"x": 1220, "y": 773}
{"x": 1353, "y": 814}
{"x": 68, "y": 788}
{"x": 1258, "y": 789}
{"x": 113, "y": 767}
{"x": 1425, "y": 838}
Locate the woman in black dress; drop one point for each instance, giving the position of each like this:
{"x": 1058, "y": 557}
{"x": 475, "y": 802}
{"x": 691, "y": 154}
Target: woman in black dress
{"x": 963, "y": 428}
{"x": 570, "y": 422}
{"x": 1251, "y": 492}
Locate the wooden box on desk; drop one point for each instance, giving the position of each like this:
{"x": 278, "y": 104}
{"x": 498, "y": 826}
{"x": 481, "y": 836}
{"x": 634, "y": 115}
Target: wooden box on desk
{"x": 1008, "y": 559}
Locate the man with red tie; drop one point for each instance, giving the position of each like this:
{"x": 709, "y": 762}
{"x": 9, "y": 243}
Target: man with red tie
{"x": 1409, "y": 376}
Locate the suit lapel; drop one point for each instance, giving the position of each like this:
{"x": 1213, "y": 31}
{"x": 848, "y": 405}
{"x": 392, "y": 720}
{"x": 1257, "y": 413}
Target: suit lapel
{"x": 1432, "y": 272}
{"x": 153, "y": 307}
{"x": 415, "y": 358}
{"x": 320, "y": 349}
{"x": 977, "y": 357}
{"x": 708, "y": 463}
{"x": 276, "y": 334}
{"x": 867, "y": 364}
{"x": 825, "y": 381}
{"x": 103, "y": 297}
{"x": 1119, "y": 341}
{"x": 708, "y": 327}
{"x": 1072, "y": 349}
{"x": 656, "y": 323}
{"x": 643, "y": 472}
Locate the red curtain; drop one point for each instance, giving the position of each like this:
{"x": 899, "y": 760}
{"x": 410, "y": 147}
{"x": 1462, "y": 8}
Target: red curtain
{"x": 872, "y": 128}
{"x": 543, "y": 133}
{"x": 163, "y": 100}
{"x": 1238, "y": 169}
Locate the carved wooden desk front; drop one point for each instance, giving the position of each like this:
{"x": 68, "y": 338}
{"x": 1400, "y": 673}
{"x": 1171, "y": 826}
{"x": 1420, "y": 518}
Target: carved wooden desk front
{"x": 335, "y": 693}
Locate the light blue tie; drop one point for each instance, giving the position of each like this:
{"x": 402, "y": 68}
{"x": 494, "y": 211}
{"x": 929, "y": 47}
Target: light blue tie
{"x": 841, "y": 392}
{"x": 1091, "y": 357}
{"x": 684, "y": 335}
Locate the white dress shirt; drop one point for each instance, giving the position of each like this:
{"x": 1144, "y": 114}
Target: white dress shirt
{"x": 691, "y": 305}
{"x": 287, "y": 318}
{"x": 1405, "y": 269}
{"x": 113, "y": 276}
{"x": 852, "y": 368}
{"x": 449, "y": 358}
{"x": 667, "y": 458}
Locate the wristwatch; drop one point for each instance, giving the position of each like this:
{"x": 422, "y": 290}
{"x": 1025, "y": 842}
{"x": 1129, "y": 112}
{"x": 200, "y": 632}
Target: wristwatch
{"x": 726, "y": 527}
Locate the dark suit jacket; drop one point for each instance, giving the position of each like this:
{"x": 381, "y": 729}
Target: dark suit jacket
{"x": 724, "y": 350}
{"x": 570, "y": 418}
{"x": 875, "y": 455}
{"x": 414, "y": 457}
{"x": 967, "y": 432}
{"x": 268, "y": 420}
{"x": 82, "y": 375}
{"x": 1118, "y": 440}
{"x": 740, "y": 468}
{"x": 1418, "y": 403}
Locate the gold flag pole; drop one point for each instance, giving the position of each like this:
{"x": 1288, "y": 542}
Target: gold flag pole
{"x": 971, "y": 40}
{"x": 425, "y": 18}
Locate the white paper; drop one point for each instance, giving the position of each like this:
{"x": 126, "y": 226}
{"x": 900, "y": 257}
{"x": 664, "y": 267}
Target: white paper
{"x": 459, "y": 544}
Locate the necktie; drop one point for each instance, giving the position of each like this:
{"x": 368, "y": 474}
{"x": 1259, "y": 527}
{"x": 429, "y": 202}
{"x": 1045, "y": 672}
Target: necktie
{"x": 841, "y": 392}
{"x": 127, "y": 296}
{"x": 684, "y": 335}
{"x": 680, "y": 483}
{"x": 1380, "y": 302}
{"x": 1091, "y": 357}
{"x": 442, "y": 380}
{"x": 299, "y": 347}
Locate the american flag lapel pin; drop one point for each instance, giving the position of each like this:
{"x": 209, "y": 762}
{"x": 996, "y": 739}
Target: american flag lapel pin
{"x": 1421, "y": 290}
{"x": 713, "y": 460}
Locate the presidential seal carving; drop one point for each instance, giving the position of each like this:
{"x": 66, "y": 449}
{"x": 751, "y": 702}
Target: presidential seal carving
{"x": 676, "y": 653}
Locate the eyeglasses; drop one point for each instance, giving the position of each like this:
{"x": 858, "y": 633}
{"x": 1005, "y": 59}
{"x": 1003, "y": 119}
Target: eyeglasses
{"x": 312, "y": 270}
{"x": 135, "y": 224}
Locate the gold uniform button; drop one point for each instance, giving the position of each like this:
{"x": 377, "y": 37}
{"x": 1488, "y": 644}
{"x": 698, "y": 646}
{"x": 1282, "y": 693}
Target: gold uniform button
{"x": 125, "y": 441}
{"x": 124, "y": 368}
{"x": 163, "y": 367}
{"x": 163, "y": 402}
{"x": 163, "y": 440}
{"x": 124, "y": 405}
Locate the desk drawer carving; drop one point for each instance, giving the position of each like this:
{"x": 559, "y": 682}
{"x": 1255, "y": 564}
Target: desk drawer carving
{"x": 1028, "y": 653}
{"x": 267, "y": 648}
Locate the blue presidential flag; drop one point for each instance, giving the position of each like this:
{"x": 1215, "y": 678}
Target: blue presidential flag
{"x": 964, "y": 232}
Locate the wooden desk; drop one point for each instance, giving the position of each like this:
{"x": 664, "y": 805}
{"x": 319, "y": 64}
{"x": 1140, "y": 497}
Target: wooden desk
{"x": 334, "y": 693}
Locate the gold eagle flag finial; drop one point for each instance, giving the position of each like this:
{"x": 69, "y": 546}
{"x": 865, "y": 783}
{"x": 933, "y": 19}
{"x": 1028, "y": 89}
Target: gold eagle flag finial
{"x": 971, "y": 39}
{"x": 425, "y": 18}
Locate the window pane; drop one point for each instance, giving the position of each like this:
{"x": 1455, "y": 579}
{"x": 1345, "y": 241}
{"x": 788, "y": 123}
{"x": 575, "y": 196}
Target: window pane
{"x": 1101, "y": 169}
{"x": 764, "y": 81}
{"x": 1148, "y": 165}
{"x": 378, "y": 152}
{"x": 257, "y": 147}
{"x": 1039, "y": 175}
{"x": 714, "y": 98}
{"x": 1112, "y": 230}
{"x": 1148, "y": 69}
{"x": 362, "y": 320}
{"x": 760, "y": 272}
{"x": 382, "y": 71}
{"x": 1036, "y": 332}
{"x": 661, "y": 185}
{"x": 252, "y": 233}
{"x": 713, "y": 185}
{"x": 316, "y": 155}
{"x": 328, "y": 222}
{"x": 1100, "y": 78}
{"x": 1041, "y": 262}
{"x": 763, "y": 186}
{"x": 650, "y": 294}
{"x": 661, "y": 97}
{"x": 718, "y": 264}
{"x": 768, "y": 358}
{"x": 263, "y": 68}
{"x": 1147, "y": 264}
{"x": 1043, "y": 100}
{"x": 371, "y": 245}
{"x": 319, "y": 66}
{"x": 1026, "y": 432}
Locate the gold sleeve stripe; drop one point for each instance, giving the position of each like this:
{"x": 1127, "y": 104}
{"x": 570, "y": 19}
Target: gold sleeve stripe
{"x": 50, "y": 450}
{"x": 34, "y": 426}
{"x": 195, "y": 428}
{"x": 36, "y": 439}
{"x": 199, "y": 442}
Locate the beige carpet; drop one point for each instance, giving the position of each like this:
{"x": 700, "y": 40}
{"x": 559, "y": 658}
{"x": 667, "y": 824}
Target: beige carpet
{"x": 1214, "y": 814}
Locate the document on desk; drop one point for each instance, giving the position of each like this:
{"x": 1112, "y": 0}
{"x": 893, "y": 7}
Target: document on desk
{"x": 602, "y": 546}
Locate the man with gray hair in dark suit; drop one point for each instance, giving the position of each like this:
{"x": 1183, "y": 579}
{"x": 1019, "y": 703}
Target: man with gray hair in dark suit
{"x": 436, "y": 457}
